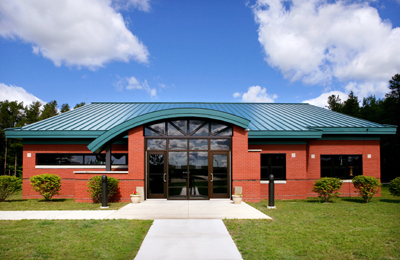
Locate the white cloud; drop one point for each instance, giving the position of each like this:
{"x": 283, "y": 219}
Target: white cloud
{"x": 142, "y": 5}
{"x": 133, "y": 83}
{"x": 316, "y": 41}
{"x": 86, "y": 33}
{"x": 322, "y": 100}
{"x": 14, "y": 93}
{"x": 255, "y": 94}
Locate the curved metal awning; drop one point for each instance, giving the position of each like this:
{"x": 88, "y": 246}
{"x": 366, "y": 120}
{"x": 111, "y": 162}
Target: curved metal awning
{"x": 101, "y": 142}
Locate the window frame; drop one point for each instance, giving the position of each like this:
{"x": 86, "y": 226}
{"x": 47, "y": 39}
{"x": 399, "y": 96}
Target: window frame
{"x": 336, "y": 168}
{"x": 77, "y": 154}
{"x": 269, "y": 169}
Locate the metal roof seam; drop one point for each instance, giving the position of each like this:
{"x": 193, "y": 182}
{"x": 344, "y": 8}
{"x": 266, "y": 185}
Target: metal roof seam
{"x": 100, "y": 110}
{"x": 234, "y": 108}
{"x": 262, "y": 119}
{"x": 48, "y": 120}
{"x": 77, "y": 115}
{"x": 283, "y": 124}
{"x": 116, "y": 118}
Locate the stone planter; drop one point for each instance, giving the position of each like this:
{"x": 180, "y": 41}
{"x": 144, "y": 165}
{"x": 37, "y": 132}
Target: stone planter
{"x": 237, "y": 199}
{"x": 135, "y": 198}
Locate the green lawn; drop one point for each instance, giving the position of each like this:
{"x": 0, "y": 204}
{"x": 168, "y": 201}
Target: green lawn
{"x": 307, "y": 229}
{"x": 15, "y": 202}
{"x": 72, "y": 239}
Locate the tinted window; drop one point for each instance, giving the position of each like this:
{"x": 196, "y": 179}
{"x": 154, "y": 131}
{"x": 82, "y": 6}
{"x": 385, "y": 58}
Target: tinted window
{"x": 79, "y": 159}
{"x": 59, "y": 159}
{"x": 341, "y": 166}
{"x": 156, "y": 144}
{"x": 273, "y": 164}
{"x": 220, "y": 144}
{"x": 95, "y": 159}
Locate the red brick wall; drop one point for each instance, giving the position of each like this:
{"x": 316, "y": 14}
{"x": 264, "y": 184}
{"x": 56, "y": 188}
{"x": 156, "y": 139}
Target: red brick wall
{"x": 301, "y": 170}
{"x": 245, "y": 166}
{"x": 296, "y": 171}
{"x": 371, "y": 166}
{"x": 72, "y": 185}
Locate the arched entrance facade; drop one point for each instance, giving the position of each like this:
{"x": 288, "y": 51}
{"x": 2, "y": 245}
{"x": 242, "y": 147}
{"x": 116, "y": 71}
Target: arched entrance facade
{"x": 188, "y": 159}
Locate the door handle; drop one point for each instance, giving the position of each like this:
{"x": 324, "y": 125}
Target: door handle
{"x": 164, "y": 177}
{"x": 212, "y": 177}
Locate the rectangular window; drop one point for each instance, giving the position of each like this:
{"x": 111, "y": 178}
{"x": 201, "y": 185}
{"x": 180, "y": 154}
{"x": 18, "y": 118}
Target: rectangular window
{"x": 341, "y": 166}
{"x": 79, "y": 159}
{"x": 273, "y": 164}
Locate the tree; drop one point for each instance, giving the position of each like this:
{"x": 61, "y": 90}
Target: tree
{"x": 10, "y": 116}
{"x": 390, "y": 145}
{"x": 49, "y": 110}
{"x": 351, "y": 106}
{"x": 394, "y": 88}
{"x": 32, "y": 113}
{"x": 371, "y": 109}
{"x": 335, "y": 103}
{"x": 79, "y": 105}
{"x": 65, "y": 108}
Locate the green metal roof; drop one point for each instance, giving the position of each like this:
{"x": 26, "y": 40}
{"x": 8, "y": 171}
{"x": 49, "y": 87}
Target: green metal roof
{"x": 263, "y": 120}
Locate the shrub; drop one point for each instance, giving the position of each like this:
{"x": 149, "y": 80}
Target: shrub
{"x": 8, "y": 186}
{"x": 46, "y": 184}
{"x": 366, "y": 186}
{"x": 394, "y": 186}
{"x": 95, "y": 187}
{"x": 327, "y": 188}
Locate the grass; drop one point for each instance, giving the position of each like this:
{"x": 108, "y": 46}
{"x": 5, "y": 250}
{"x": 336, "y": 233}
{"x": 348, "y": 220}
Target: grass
{"x": 15, "y": 202}
{"x": 72, "y": 239}
{"x": 308, "y": 229}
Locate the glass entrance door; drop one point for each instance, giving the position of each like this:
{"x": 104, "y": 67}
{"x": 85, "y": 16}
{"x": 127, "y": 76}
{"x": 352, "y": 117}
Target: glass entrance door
{"x": 156, "y": 175}
{"x": 198, "y": 175}
{"x": 220, "y": 175}
{"x": 177, "y": 175}
{"x": 188, "y": 175}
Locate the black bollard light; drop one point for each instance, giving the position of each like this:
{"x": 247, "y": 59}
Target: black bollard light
{"x": 271, "y": 194}
{"x": 104, "y": 202}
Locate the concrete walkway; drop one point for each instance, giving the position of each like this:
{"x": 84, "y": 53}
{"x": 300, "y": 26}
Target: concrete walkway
{"x": 188, "y": 239}
{"x": 188, "y": 209}
{"x": 151, "y": 209}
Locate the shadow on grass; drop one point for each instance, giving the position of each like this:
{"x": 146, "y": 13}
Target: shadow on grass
{"x": 313, "y": 201}
{"x": 53, "y": 200}
{"x": 390, "y": 201}
{"x": 21, "y": 200}
{"x": 356, "y": 200}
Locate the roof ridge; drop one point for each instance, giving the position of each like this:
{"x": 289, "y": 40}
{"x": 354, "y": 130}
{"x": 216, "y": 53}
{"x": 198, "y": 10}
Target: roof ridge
{"x": 237, "y": 103}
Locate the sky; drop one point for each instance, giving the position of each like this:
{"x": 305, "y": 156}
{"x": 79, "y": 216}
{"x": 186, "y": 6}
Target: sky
{"x": 295, "y": 51}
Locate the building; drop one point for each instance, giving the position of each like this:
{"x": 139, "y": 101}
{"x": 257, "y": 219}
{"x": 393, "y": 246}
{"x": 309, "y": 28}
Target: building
{"x": 200, "y": 150}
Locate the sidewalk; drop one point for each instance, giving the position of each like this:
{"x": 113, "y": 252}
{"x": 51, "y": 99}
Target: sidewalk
{"x": 151, "y": 209}
{"x": 194, "y": 239}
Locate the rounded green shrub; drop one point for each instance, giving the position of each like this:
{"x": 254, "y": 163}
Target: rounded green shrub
{"x": 46, "y": 184}
{"x": 366, "y": 186}
{"x": 394, "y": 186}
{"x": 327, "y": 188}
{"x": 95, "y": 187}
{"x": 8, "y": 186}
